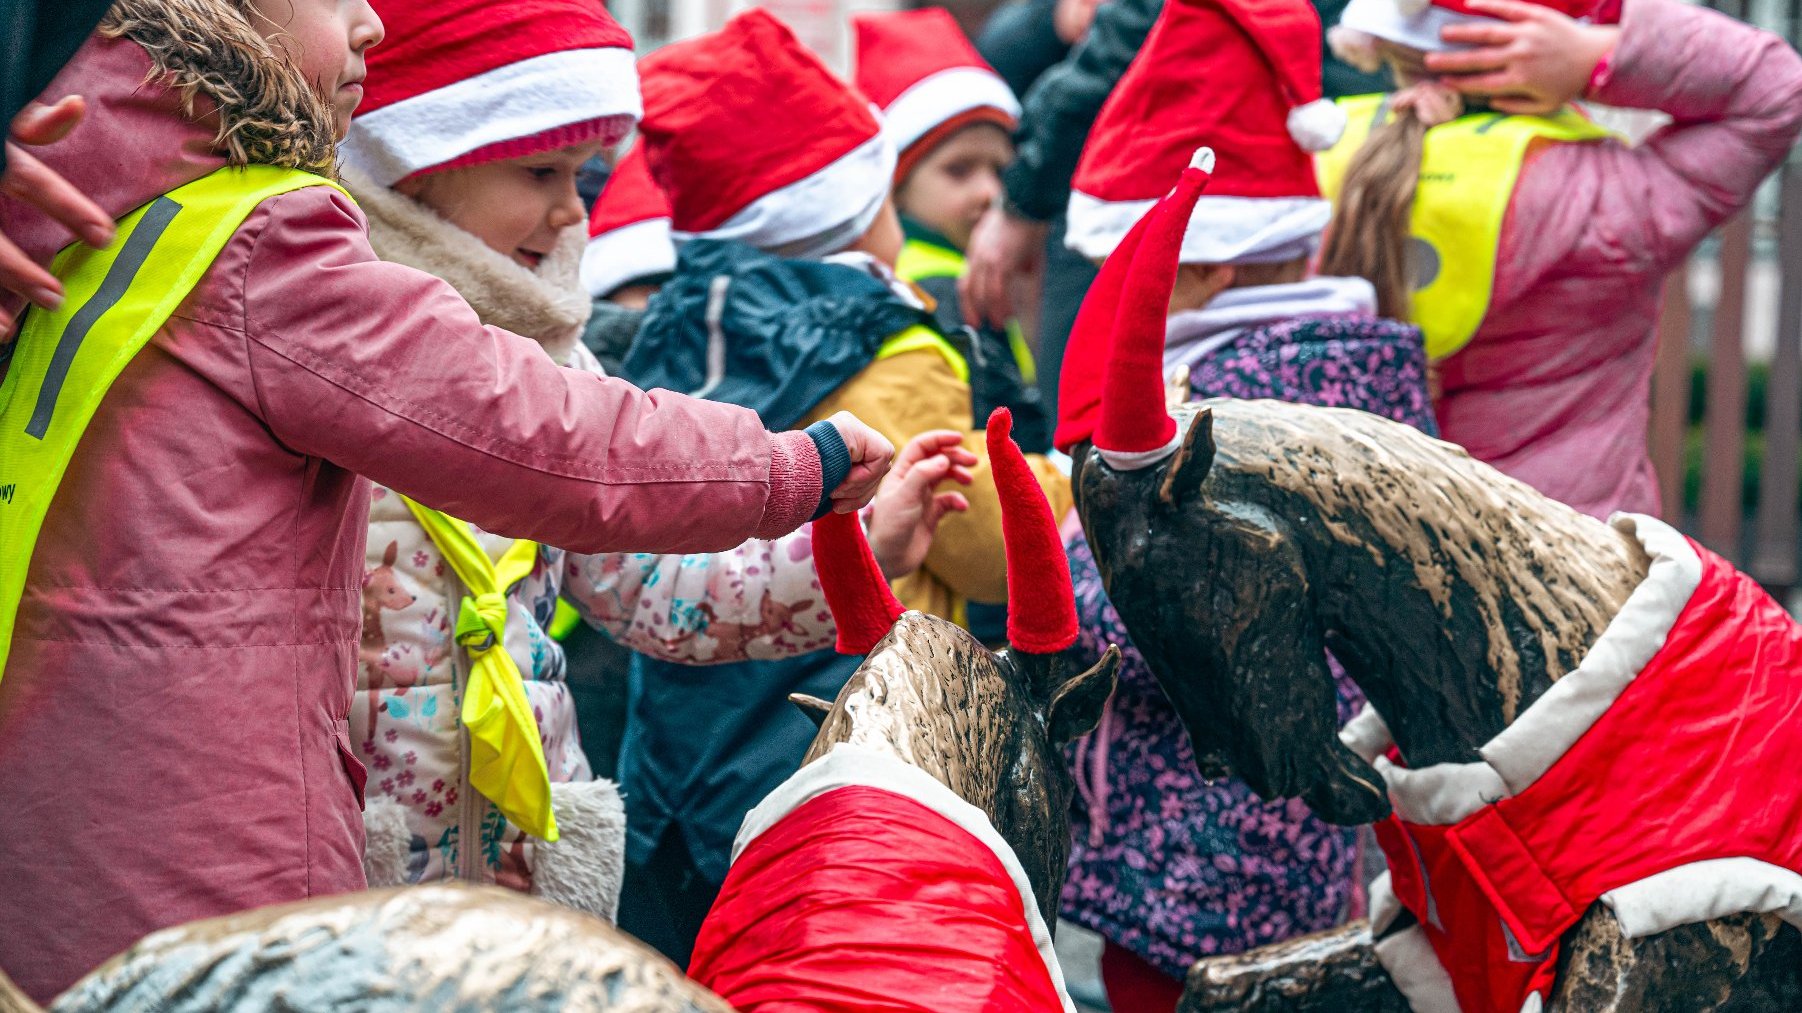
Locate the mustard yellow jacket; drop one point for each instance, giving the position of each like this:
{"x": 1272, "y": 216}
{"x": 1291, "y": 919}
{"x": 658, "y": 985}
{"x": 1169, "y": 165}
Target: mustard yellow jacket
{"x": 907, "y": 394}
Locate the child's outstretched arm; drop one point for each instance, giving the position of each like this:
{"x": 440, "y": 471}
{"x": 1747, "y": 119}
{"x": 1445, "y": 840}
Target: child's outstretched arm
{"x": 386, "y": 371}
{"x": 762, "y": 599}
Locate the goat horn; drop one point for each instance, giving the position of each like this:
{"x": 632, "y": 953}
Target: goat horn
{"x": 1041, "y": 604}
{"x": 863, "y": 606}
{"x": 1135, "y": 430}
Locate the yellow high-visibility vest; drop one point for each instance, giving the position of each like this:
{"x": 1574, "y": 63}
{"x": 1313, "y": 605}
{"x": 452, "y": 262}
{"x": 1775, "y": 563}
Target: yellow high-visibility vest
{"x": 65, "y": 360}
{"x": 1468, "y": 169}
{"x": 506, "y": 755}
{"x": 920, "y": 337}
{"x": 920, "y": 260}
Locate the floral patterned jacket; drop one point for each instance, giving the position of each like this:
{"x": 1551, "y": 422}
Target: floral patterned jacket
{"x": 759, "y": 600}
{"x": 1163, "y": 862}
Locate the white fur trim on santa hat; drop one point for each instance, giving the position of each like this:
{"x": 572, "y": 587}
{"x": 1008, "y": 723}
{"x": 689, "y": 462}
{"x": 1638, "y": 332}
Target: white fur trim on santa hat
{"x": 938, "y": 97}
{"x": 819, "y": 214}
{"x": 638, "y": 250}
{"x": 848, "y": 765}
{"x": 1223, "y": 230}
{"x": 517, "y": 100}
{"x": 1392, "y": 20}
{"x": 1139, "y": 460}
{"x": 1317, "y": 125}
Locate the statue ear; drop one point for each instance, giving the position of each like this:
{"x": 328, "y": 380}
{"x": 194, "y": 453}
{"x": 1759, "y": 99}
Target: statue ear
{"x": 815, "y": 708}
{"x": 1076, "y": 705}
{"x": 1192, "y": 462}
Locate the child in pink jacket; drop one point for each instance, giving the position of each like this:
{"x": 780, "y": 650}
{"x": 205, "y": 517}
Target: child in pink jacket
{"x": 1545, "y": 357}
{"x": 173, "y": 707}
{"x": 485, "y": 198}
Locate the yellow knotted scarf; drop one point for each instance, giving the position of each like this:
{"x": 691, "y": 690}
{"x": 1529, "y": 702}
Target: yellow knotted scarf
{"x": 506, "y": 758}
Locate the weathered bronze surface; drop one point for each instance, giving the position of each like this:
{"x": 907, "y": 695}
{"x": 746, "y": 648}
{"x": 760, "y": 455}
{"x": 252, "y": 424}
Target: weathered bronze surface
{"x": 1453, "y": 595}
{"x": 1327, "y": 972}
{"x": 422, "y": 949}
{"x": 988, "y": 726}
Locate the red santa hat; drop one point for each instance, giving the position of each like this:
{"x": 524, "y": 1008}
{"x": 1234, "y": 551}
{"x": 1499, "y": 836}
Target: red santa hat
{"x": 457, "y": 82}
{"x": 1112, "y": 386}
{"x": 919, "y": 67}
{"x": 1416, "y": 24}
{"x": 1240, "y": 74}
{"x": 1041, "y": 603}
{"x": 754, "y": 140}
{"x": 628, "y": 231}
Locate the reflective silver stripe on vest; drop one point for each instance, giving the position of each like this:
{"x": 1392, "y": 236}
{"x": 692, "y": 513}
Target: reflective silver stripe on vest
{"x": 112, "y": 288}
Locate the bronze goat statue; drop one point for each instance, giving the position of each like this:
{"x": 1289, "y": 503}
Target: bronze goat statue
{"x": 938, "y": 743}
{"x": 419, "y": 949}
{"x": 1500, "y": 637}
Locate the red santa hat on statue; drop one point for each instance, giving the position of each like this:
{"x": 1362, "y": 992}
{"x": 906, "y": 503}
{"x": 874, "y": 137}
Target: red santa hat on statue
{"x": 1112, "y": 386}
{"x": 457, "y": 82}
{"x": 754, "y": 140}
{"x": 1415, "y": 24}
{"x": 919, "y": 67}
{"x": 628, "y": 231}
{"x": 1240, "y": 74}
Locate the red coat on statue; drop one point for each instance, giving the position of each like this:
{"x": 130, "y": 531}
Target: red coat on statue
{"x": 864, "y": 884}
{"x": 1657, "y": 777}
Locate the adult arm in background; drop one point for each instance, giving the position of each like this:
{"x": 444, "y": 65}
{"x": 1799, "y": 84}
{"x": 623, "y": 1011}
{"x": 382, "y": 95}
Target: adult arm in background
{"x": 1021, "y": 42}
{"x": 1055, "y": 121}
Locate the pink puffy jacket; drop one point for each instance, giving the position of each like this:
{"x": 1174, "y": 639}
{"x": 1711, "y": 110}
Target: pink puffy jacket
{"x": 1554, "y": 389}
{"x": 172, "y": 719}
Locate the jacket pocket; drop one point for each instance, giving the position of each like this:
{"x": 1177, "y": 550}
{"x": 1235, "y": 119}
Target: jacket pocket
{"x": 353, "y": 767}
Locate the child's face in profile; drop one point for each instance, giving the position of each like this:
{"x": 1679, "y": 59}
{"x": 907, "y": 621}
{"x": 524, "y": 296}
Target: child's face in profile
{"x": 956, "y": 182}
{"x": 326, "y": 39}
{"x": 519, "y": 207}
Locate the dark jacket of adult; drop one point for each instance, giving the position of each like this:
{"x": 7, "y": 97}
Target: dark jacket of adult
{"x": 40, "y": 38}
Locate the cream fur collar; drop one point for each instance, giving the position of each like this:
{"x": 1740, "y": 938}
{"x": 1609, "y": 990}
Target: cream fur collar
{"x": 547, "y": 305}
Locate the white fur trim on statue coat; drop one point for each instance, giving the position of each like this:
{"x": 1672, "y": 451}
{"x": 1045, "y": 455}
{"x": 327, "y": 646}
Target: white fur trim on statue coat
{"x": 548, "y": 305}
{"x": 1444, "y": 793}
{"x": 584, "y": 867}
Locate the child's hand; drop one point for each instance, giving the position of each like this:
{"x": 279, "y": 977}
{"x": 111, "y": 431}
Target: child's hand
{"x": 871, "y": 453}
{"x": 907, "y": 510}
{"x": 1532, "y": 61}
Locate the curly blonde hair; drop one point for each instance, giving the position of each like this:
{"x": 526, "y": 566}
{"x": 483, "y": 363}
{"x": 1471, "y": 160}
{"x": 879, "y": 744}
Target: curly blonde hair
{"x": 268, "y": 112}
